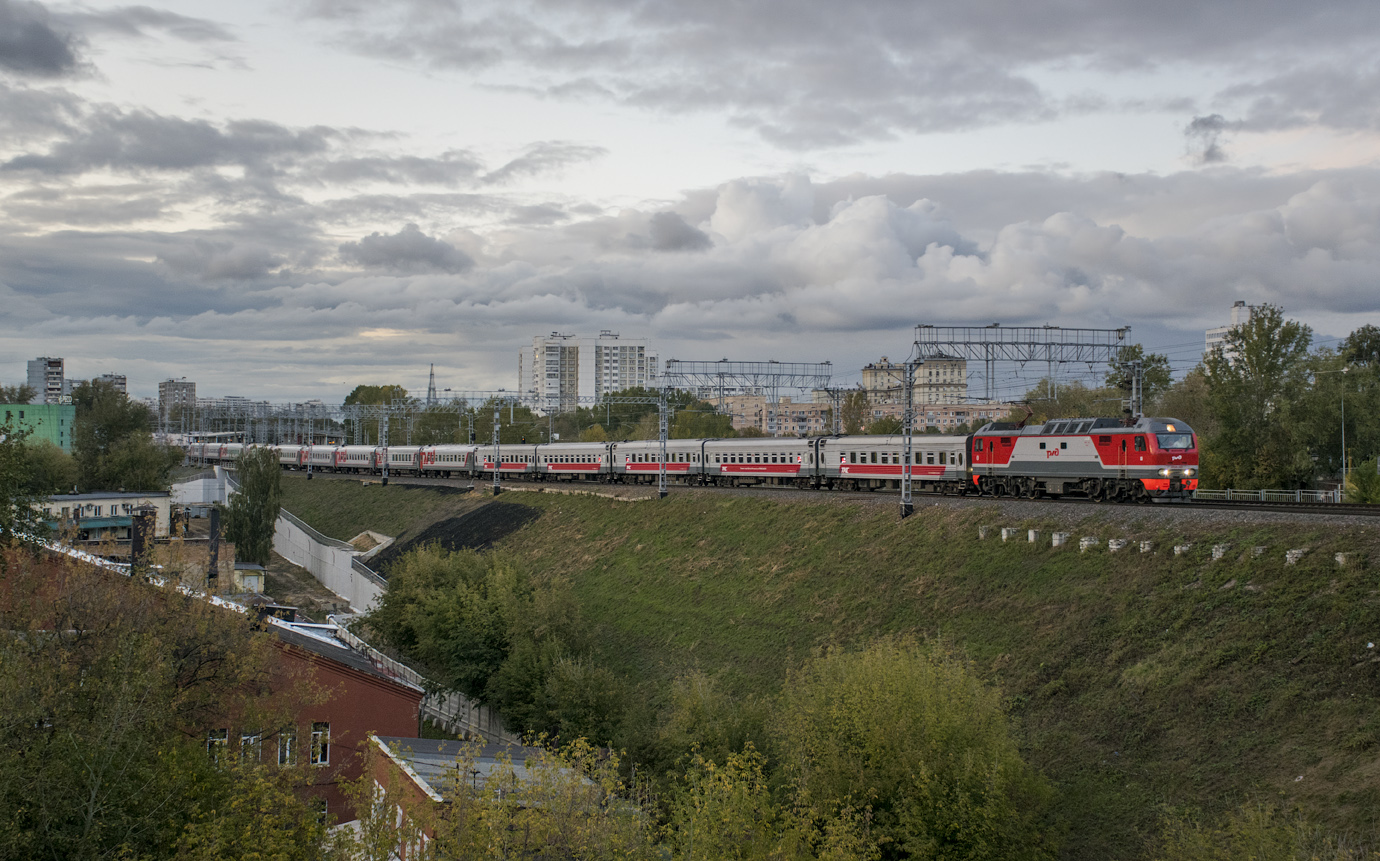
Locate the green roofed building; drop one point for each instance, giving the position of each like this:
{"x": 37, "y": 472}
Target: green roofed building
{"x": 52, "y": 422}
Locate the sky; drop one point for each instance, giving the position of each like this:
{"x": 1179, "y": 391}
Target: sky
{"x": 284, "y": 200}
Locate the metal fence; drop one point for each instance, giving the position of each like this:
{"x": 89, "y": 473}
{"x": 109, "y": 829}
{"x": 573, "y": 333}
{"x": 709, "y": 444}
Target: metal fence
{"x": 1268, "y": 495}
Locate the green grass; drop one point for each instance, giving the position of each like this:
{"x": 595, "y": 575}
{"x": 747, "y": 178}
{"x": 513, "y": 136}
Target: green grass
{"x": 343, "y": 508}
{"x": 1135, "y": 680}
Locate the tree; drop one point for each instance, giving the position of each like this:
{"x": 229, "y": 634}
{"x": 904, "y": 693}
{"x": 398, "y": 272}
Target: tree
{"x": 20, "y": 394}
{"x": 110, "y": 685}
{"x": 1188, "y": 400}
{"x": 750, "y": 431}
{"x": 19, "y": 515}
{"x": 112, "y": 442}
{"x": 1362, "y": 347}
{"x": 886, "y": 426}
{"x": 594, "y": 433}
{"x": 1156, "y": 374}
{"x": 914, "y": 733}
{"x": 1254, "y": 383}
{"x": 371, "y": 396}
{"x": 1363, "y": 483}
{"x": 854, "y": 411}
{"x": 252, "y": 514}
{"x": 51, "y": 470}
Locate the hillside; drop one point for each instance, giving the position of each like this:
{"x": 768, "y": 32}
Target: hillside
{"x": 1136, "y": 680}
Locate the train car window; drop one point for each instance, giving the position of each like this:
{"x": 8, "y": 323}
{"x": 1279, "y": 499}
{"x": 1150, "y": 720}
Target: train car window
{"x": 874, "y": 457}
{"x": 1140, "y": 443}
{"x": 1042, "y": 446}
{"x": 960, "y": 458}
{"x": 929, "y": 457}
{"x": 1063, "y": 445}
{"x": 852, "y": 457}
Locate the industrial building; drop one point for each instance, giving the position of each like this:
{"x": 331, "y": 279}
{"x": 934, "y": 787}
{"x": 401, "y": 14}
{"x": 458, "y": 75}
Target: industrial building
{"x": 52, "y": 422}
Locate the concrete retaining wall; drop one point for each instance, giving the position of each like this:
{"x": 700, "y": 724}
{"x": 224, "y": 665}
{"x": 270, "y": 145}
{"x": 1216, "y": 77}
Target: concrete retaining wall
{"x": 330, "y": 561}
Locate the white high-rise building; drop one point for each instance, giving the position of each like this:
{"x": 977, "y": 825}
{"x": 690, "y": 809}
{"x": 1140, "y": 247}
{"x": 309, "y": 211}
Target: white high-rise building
{"x": 555, "y": 373}
{"x": 1240, "y": 314}
{"x": 621, "y": 364}
{"x": 46, "y": 377}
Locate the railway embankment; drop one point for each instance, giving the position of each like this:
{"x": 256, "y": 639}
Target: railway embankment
{"x": 1138, "y": 682}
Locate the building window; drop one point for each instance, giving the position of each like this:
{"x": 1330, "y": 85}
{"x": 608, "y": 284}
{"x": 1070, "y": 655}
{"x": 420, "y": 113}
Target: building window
{"x": 251, "y": 746}
{"x": 287, "y": 747}
{"x": 216, "y": 742}
{"x": 320, "y": 743}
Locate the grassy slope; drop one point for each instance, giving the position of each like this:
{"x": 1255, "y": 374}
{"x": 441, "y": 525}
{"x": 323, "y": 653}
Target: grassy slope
{"x": 343, "y": 508}
{"x": 1136, "y": 680}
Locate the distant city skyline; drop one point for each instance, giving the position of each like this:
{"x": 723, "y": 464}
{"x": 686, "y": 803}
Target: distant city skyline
{"x": 284, "y": 201}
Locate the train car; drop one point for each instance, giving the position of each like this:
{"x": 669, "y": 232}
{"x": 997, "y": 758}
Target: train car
{"x": 448, "y": 460}
{"x": 639, "y": 461}
{"x": 1153, "y": 459}
{"x": 938, "y": 463}
{"x": 519, "y": 460}
{"x": 290, "y": 456}
{"x": 230, "y": 452}
{"x": 404, "y": 459}
{"x": 359, "y": 458}
{"x": 574, "y": 461}
{"x": 749, "y": 461}
{"x": 325, "y": 457}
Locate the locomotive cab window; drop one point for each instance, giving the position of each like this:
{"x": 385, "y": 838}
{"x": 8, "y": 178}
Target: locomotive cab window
{"x": 1063, "y": 445}
{"x": 1174, "y": 440}
{"x": 1140, "y": 443}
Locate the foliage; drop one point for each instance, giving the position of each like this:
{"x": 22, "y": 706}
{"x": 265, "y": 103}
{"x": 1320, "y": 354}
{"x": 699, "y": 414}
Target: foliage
{"x": 1363, "y": 483}
{"x": 700, "y": 420}
{"x": 374, "y": 395}
{"x": 252, "y": 514}
{"x": 886, "y": 426}
{"x": 701, "y": 716}
{"x": 254, "y": 811}
{"x": 51, "y": 470}
{"x": 728, "y": 811}
{"x": 1071, "y": 400}
{"x": 853, "y": 410}
{"x": 17, "y": 394}
{"x": 750, "y": 432}
{"x": 19, "y": 519}
{"x": 1187, "y": 400}
{"x": 1341, "y": 398}
{"x": 594, "y": 433}
{"x": 1156, "y": 374}
{"x": 913, "y": 733}
{"x": 109, "y": 685}
{"x": 1362, "y": 347}
{"x": 112, "y": 443}
{"x": 1254, "y": 383}
{"x": 564, "y": 803}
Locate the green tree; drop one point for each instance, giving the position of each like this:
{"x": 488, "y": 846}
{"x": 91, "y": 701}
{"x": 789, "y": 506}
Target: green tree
{"x": 854, "y": 410}
{"x": 19, "y": 394}
{"x": 371, "y": 396}
{"x": 913, "y": 733}
{"x": 19, "y": 516}
{"x": 1362, "y": 347}
{"x": 1188, "y": 400}
{"x": 112, "y": 442}
{"x": 750, "y": 432}
{"x": 1363, "y": 483}
{"x": 110, "y": 685}
{"x": 594, "y": 433}
{"x": 1254, "y": 383}
{"x": 1071, "y": 400}
{"x": 51, "y": 470}
{"x": 252, "y": 512}
{"x": 1156, "y": 374}
{"x": 886, "y": 426}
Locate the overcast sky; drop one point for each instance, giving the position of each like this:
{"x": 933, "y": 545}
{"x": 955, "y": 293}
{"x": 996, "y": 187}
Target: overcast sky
{"x": 285, "y": 199}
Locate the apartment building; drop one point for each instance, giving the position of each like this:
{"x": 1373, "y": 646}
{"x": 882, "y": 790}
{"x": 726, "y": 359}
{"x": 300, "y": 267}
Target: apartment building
{"x": 48, "y": 379}
{"x": 1241, "y": 314}
{"x": 938, "y": 380}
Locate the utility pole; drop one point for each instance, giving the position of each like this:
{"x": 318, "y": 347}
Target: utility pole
{"x": 907, "y": 429}
{"x": 498, "y": 455}
{"x": 661, "y": 415}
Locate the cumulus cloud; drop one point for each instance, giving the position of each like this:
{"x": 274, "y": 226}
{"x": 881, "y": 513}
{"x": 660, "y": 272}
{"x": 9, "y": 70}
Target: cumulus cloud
{"x": 30, "y": 44}
{"x": 408, "y": 250}
{"x": 805, "y": 270}
{"x": 669, "y": 232}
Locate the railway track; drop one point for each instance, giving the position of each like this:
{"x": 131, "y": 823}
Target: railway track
{"x": 1332, "y": 509}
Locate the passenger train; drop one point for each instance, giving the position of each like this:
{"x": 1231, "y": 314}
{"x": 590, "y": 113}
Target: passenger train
{"x": 1153, "y": 459}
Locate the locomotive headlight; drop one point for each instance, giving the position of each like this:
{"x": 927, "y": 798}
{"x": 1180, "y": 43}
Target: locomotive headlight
{"x": 1188, "y": 473}
{"x": 1164, "y": 472}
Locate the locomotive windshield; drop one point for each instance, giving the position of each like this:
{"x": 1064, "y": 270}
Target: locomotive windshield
{"x": 1174, "y": 440}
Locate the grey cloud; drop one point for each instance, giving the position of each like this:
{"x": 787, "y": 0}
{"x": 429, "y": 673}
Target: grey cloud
{"x": 408, "y": 250}
{"x": 1203, "y": 136}
{"x": 141, "y": 140}
{"x": 669, "y": 232}
{"x": 539, "y": 214}
{"x": 816, "y": 73}
{"x": 544, "y": 157}
{"x": 1336, "y": 95}
{"x": 30, "y": 45}
{"x": 139, "y": 21}
{"x": 448, "y": 169}
{"x": 221, "y": 261}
